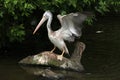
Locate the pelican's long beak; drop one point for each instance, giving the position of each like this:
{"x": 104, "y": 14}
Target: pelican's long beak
{"x": 40, "y": 23}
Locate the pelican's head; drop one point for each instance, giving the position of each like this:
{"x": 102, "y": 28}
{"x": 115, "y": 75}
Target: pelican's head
{"x": 46, "y": 16}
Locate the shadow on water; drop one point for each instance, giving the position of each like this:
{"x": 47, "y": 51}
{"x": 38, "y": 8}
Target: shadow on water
{"x": 100, "y": 59}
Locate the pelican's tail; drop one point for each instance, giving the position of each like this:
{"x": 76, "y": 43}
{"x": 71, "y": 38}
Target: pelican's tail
{"x": 66, "y": 50}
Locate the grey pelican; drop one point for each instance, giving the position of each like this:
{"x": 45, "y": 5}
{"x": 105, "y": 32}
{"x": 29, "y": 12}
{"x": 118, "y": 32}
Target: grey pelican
{"x": 70, "y": 29}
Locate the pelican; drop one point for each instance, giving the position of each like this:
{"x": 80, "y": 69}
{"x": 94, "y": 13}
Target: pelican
{"x": 69, "y": 30}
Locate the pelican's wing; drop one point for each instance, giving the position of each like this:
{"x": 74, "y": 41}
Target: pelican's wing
{"x": 71, "y": 25}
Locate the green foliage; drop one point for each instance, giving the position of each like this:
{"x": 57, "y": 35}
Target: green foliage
{"x": 115, "y": 5}
{"x": 16, "y": 8}
{"x": 67, "y": 6}
{"x": 12, "y": 13}
{"x": 102, "y": 7}
{"x": 16, "y": 33}
{"x": 89, "y": 21}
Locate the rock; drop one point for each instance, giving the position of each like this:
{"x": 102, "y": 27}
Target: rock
{"x": 50, "y": 59}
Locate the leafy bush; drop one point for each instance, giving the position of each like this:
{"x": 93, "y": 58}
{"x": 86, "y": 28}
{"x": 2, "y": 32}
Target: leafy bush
{"x": 60, "y": 6}
{"x": 16, "y": 8}
{"x": 16, "y": 33}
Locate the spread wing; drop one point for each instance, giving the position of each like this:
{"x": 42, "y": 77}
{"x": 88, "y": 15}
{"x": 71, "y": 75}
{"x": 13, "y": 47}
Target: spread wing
{"x": 71, "y": 25}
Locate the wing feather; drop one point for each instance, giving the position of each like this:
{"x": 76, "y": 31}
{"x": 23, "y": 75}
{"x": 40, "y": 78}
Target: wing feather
{"x": 71, "y": 25}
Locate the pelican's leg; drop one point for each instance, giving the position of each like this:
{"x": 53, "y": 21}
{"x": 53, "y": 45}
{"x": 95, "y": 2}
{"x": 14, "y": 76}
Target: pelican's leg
{"x": 53, "y": 49}
{"x": 60, "y": 57}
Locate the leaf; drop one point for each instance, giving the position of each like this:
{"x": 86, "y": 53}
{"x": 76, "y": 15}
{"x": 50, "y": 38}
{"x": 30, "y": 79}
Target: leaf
{"x": 15, "y": 2}
{"x": 1, "y": 14}
{"x": 16, "y": 33}
{"x": 73, "y": 3}
{"x": 63, "y": 12}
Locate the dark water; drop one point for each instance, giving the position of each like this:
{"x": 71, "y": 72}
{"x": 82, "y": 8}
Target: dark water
{"x": 101, "y": 58}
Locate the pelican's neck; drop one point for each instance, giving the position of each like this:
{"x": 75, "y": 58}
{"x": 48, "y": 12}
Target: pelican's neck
{"x": 49, "y": 24}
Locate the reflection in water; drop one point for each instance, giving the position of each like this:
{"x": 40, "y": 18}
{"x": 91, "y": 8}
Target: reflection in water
{"x": 100, "y": 59}
{"x": 10, "y": 70}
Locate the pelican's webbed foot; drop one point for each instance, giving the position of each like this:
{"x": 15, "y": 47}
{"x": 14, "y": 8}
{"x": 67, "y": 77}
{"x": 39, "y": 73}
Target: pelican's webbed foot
{"x": 60, "y": 57}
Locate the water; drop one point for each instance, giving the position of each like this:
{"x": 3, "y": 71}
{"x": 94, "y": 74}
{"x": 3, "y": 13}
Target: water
{"x": 100, "y": 59}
